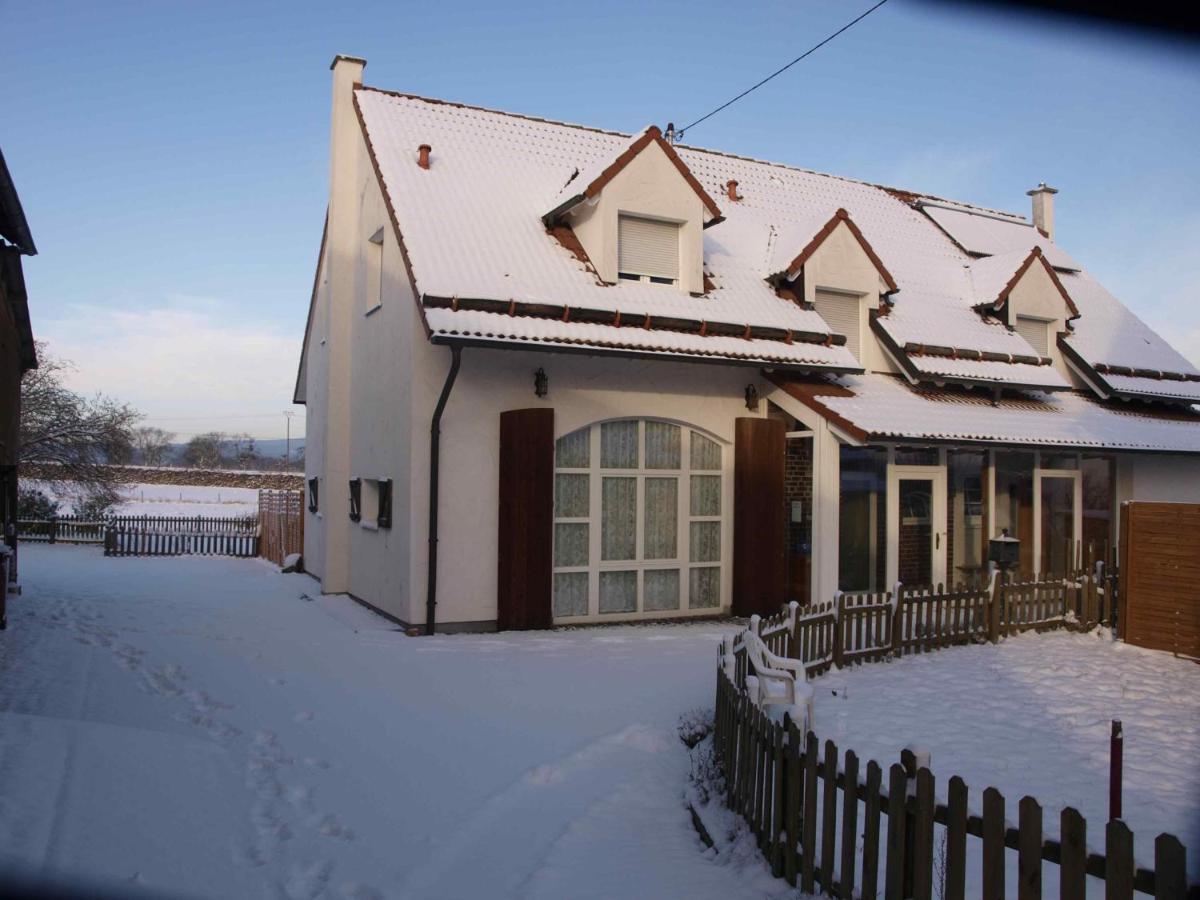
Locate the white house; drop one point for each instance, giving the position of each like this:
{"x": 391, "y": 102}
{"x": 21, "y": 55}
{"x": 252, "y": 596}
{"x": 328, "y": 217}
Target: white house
{"x": 673, "y": 382}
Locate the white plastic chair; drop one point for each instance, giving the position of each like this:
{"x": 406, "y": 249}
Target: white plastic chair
{"x": 778, "y": 681}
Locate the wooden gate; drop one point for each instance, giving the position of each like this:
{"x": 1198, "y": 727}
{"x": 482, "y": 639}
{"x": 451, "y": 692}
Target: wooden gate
{"x": 1160, "y": 576}
{"x": 281, "y": 520}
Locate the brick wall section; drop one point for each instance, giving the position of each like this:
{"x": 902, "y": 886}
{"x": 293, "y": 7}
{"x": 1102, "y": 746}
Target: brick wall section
{"x": 915, "y": 544}
{"x": 275, "y": 481}
{"x": 798, "y": 485}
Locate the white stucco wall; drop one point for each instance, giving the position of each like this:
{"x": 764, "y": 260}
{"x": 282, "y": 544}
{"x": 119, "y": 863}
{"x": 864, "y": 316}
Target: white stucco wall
{"x": 583, "y": 390}
{"x": 1159, "y": 477}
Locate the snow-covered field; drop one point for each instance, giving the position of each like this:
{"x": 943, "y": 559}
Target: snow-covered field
{"x": 1032, "y": 715}
{"x": 167, "y": 500}
{"x": 214, "y": 728}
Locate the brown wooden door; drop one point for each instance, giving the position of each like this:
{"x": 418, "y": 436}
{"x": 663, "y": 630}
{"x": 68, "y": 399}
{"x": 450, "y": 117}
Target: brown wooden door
{"x": 526, "y": 519}
{"x": 759, "y": 536}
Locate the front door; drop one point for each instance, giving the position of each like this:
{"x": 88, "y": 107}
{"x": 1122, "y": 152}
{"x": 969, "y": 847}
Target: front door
{"x": 916, "y": 525}
{"x": 1057, "y": 522}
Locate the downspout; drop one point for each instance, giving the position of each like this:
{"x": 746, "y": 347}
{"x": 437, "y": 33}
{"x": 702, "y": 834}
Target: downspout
{"x": 435, "y": 433}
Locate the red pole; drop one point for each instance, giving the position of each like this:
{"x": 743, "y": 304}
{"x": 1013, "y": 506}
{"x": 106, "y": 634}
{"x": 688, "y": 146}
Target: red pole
{"x": 1115, "y": 747}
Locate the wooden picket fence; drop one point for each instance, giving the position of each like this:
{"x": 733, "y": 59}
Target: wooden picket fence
{"x": 65, "y": 529}
{"x": 777, "y": 781}
{"x": 788, "y": 793}
{"x": 77, "y": 530}
{"x": 281, "y": 514}
{"x": 136, "y": 542}
{"x": 859, "y": 628}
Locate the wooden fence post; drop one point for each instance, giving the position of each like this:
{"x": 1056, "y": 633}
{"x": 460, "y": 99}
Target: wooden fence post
{"x": 994, "y": 608}
{"x": 839, "y": 627}
{"x": 898, "y": 618}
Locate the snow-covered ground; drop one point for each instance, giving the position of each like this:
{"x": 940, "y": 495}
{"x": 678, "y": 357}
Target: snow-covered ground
{"x": 215, "y": 728}
{"x": 1031, "y": 715}
{"x": 166, "y": 499}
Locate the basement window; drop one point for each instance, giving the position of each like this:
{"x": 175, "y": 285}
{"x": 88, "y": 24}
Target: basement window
{"x": 314, "y": 486}
{"x": 1036, "y": 333}
{"x": 647, "y": 250}
{"x": 355, "y": 499}
{"x": 383, "y": 517}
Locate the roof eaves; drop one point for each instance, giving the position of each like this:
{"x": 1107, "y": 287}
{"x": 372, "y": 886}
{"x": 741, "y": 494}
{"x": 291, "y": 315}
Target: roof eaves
{"x": 312, "y": 303}
{"x": 13, "y": 225}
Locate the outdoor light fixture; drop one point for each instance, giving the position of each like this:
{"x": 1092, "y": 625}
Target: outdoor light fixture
{"x": 541, "y": 384}
{"x": 751, "y": 398}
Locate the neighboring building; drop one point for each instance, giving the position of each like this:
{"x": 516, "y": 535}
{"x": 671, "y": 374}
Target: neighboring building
{"x": 672, "y": 382}
{"x": 17, "y": 354}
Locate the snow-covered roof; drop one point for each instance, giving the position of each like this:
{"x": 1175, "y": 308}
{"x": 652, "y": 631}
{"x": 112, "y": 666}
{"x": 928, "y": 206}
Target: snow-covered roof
{"x": 884, "y": 407}
{"x": 472, "y": 226}
{"x": 984, "y": 232}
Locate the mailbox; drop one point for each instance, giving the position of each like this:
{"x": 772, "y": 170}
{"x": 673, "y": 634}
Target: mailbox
{"x": 1004, "y": 551}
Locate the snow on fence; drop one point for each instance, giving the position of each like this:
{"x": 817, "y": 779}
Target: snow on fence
{"x": 788, "y": 793}
{"x": 282, "y": 516}
{"x": 777, "y": 782}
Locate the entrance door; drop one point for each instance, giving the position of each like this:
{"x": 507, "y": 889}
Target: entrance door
{"x": 1057, "y": 523}
{"x": 916, "y": 525}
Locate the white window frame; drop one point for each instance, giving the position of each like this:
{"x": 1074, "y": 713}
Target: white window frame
{"x": 368, "y": 504}
{"x": 373, "y": 272}
{"x": 1075, "y": 476}
{"x": 936, "y": 475}
{"x": 681, "y": 562}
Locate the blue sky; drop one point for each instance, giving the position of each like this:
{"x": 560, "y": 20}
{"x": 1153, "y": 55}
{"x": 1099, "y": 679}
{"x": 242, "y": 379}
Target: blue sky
{"x": 172, "y": 157}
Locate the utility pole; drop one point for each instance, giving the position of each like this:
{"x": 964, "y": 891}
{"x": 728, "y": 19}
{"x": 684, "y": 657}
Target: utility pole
{"x": 287, "y": 451}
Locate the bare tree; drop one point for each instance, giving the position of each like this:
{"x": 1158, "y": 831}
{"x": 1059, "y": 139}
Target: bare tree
{"x": 76, "y": 435}
{"x": 152, "y": 445}
{"x": 204, "y": 450}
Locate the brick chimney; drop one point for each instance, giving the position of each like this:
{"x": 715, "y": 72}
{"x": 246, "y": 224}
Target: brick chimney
{"x": 1043, "y": 208}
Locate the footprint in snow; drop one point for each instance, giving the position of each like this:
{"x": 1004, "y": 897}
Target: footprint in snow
{"x": 304, "y": 716}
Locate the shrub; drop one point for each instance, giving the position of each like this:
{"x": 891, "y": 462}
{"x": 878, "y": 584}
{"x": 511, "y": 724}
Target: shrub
{"x": 33, "y": 503}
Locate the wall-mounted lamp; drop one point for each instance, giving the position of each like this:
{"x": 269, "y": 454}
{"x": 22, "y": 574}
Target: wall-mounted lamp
{"x": 751, "y": 398}
{"x": 541, "y": 384}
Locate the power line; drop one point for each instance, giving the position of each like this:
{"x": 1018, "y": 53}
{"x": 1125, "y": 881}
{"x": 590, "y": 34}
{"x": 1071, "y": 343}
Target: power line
{"x": 679, "y": 134}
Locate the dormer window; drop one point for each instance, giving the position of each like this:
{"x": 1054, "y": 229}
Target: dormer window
{"x": 647, "y": 250}
{"x": 1036, "y": 333}
{"x": 843, "y": 314}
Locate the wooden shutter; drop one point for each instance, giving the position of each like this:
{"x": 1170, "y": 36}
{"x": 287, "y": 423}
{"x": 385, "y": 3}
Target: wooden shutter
{"x": 526, "y": 526}
{"x": 1035, "y": 331}
{"x": 842, "y": 313}
{"x": 384, "y": 517}
{"x": 759, "y": 542}
{"x": 647, "y": 247}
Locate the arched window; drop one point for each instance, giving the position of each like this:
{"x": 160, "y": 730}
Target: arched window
{"x": 637, "y": 520}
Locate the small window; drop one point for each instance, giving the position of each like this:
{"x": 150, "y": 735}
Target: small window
{"x": 355, "y": 499}
{"x": 314, "y": 485}
{"x": 1036, "y": 333}
{"x": 374, "y": 272}
{"x": 647, "y": 250}
{"x": 384, "y": 516}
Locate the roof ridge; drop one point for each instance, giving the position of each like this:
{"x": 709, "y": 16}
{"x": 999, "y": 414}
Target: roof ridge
{"x": 708, "y": 150}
